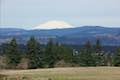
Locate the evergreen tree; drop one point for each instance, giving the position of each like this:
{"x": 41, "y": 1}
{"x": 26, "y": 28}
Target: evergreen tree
{"x": 34, "y": 54}
{"x": 12, "y": 54}
{"x": 99, "y": 55}
{"x": 67, "y": 54}
{"x": 50, "y": 55}
{"x": 86, "y": 55}
{"x": 109, "y": 59}
{"x": 56, "y": 52}
{"x": 116, "y": 60}
{"x": 98, "y": 46}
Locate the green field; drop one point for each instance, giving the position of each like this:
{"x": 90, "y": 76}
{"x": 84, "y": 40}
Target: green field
{"x": 80, "y": 73}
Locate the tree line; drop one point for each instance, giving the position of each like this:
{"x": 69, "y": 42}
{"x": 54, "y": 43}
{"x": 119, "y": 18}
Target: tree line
{"x": 55, "y": 54}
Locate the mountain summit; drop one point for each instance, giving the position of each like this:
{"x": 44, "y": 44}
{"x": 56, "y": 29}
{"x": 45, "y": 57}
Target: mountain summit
{"x": 53, "y": 25}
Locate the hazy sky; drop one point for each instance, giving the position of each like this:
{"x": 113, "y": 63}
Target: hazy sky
{"x": 30, "y": 13}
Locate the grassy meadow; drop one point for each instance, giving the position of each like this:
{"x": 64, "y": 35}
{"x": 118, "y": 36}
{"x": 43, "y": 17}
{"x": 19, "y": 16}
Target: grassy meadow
{"x": 77, "y": 73}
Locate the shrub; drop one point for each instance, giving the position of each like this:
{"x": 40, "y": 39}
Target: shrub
{"x": 23, "y": 64}
{"x": 2, "y": 62}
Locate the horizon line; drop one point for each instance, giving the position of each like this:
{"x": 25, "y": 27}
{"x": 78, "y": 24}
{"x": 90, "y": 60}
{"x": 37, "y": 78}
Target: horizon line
{"x": 1, "y": 27}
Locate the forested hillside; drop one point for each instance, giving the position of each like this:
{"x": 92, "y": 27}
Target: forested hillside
{"x": 34, "y": 55}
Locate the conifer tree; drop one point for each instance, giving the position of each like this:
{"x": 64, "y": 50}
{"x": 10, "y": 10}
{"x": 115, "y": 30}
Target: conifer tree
{"x": 55, "y": 52}
{"x": 86, "y": 55}
{"x": 98, "y": 46}
{"x": 116, "y": 60}
{"x": 12, "y": 54}
{"x": 34, "y": 53}
{"x": 50, "y": 55}
{"x": 99, "y": 55}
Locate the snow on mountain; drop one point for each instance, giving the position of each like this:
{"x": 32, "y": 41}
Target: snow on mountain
{"x": 53, "y": 25}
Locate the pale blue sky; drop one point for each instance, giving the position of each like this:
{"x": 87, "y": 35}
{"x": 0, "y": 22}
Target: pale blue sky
{"x": 30, "y": 13}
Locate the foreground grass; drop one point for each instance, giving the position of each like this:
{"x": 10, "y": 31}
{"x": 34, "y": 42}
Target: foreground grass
{"x": 80, "y": 73}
